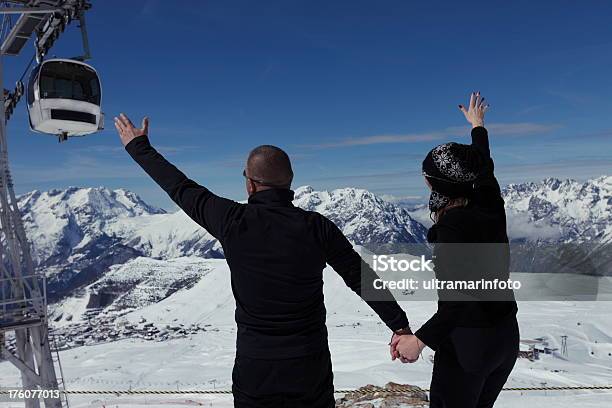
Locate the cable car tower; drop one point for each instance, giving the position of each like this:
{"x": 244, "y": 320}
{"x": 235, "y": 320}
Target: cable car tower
{"x": 23, "y": 301}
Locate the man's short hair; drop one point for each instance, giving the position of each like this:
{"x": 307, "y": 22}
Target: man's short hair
{"x": 270, "y": 166}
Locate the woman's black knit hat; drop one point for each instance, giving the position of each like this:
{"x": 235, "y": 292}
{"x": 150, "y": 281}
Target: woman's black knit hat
{"x": 451, "y": 169}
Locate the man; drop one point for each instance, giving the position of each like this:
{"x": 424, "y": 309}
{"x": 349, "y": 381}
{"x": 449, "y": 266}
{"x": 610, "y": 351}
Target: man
{"x": 276, "y": 253}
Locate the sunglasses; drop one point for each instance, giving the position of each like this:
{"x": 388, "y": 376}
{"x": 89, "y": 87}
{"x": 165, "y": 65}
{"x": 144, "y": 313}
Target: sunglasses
{"x": 260, "y": 182}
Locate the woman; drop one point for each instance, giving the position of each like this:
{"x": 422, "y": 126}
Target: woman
{"x": 476, "y": 341}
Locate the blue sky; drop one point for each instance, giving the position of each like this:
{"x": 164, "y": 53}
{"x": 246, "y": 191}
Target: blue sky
{"x": 356, "y": 91}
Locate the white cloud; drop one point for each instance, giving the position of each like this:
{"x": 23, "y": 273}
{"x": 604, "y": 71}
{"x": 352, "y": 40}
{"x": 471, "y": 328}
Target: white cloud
{"x": 521, "y": 226}
{"x": 500, "y": 129}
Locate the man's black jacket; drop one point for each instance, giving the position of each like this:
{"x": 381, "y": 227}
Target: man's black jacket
{"x": 276, "y": 253}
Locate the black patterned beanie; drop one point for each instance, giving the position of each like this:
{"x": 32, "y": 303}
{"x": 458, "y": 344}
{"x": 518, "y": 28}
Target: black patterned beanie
{"x": 451, "y": 169}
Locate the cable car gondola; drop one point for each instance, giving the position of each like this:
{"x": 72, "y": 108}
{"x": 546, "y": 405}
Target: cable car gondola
{"x": 64, "y": 98}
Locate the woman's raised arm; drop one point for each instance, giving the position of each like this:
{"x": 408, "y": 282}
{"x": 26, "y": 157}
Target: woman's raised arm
{"x": 486, "y": 186}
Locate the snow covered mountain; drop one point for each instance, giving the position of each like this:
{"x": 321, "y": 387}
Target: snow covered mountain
{"x": 78, "y": 234}
{"x": 556, "y": 220}
{"x": 560, "y": 210}
{"x": 552, "y": 210}
{"x": 144, "y": 281}
{"x": 362, "y": 216}
{"x": 561, "y": 225}
{"x": 60, "y": 219}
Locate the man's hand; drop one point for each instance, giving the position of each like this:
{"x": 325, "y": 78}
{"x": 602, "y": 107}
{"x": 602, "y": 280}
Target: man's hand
{"x": 476, "y": 111}
{"x": 393, "y": 346}
{"x": 127, "y": 131}
{"x": 408, "y": 348}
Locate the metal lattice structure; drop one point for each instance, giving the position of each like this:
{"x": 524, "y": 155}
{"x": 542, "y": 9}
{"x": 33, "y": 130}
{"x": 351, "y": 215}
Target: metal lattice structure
{"x": 23, "y": 301}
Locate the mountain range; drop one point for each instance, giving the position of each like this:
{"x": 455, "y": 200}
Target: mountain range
{"x": 80, "y": 236}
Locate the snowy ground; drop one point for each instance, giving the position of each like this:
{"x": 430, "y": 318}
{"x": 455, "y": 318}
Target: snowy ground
{"x": 358, "y": 343}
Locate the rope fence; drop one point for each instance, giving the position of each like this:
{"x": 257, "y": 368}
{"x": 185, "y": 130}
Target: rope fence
{"x": 340, "y": 391}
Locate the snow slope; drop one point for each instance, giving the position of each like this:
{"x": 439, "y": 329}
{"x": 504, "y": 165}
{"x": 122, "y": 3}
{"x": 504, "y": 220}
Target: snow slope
{"x": 357, "y": 339}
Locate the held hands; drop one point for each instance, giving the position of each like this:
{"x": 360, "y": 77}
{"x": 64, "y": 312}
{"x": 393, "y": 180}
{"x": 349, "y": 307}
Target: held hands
{"x": 127, "y": 131}
{"x": 476, "y": 111}
{"x": 393, "y": 348}
{"x": 406, "y": 347}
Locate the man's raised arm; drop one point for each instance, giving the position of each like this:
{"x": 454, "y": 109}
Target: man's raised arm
{"x": 207, "y": 209}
